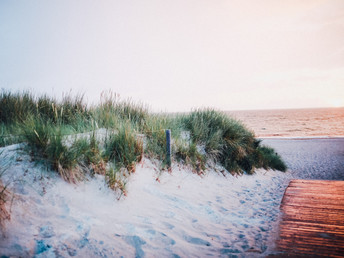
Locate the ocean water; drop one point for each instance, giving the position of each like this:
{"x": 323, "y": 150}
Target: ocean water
{"x": 314, "y": 122}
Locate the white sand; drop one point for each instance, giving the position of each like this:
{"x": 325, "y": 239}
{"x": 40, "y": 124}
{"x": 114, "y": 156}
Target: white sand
{"x": 182, "y": 215}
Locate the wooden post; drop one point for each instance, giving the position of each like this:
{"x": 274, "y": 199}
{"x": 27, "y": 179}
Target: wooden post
{"x": 168, "y": 148}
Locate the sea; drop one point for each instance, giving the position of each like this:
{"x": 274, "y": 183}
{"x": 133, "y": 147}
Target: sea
{"x": 311, "y": 122}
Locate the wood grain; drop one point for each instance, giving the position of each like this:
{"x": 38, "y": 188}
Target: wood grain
{"x": 313, "y": 219}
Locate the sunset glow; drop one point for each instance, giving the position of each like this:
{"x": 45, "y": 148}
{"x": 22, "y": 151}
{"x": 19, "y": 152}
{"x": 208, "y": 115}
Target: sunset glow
{"x": 338, "y": 103}
{"x": 178, "y": 55}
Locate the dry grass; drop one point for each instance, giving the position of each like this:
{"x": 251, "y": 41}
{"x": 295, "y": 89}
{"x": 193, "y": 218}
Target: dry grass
{"x": 4, "y": 210}
{"x": 71, "y": 175}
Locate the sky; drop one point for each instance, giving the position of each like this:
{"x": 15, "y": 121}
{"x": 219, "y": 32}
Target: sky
{"x": 177, "y": 55}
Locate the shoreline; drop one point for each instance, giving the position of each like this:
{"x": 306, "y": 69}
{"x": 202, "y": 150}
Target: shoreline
{"x": 301, "y": 137}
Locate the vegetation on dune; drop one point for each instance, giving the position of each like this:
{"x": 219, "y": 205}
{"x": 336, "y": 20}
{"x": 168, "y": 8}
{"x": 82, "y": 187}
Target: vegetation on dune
{"x": 4, "y": 213}
{"x": 4, "y": 196}
{"x": 50, "y": 128}
{"x": 46, "y": 141}
{"x": 112, "y": 111}
{"x": 226, "y": 141}
{"x": 124, "y": 148}
{"x": 16, "y": 107}
{"x": 268, "y": 158}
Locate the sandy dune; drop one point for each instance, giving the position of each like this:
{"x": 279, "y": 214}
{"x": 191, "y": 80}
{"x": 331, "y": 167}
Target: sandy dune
{"x": 182, "y": 215}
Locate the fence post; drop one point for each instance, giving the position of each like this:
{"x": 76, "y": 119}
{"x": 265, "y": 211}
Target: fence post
{"x": 168, "y": 148}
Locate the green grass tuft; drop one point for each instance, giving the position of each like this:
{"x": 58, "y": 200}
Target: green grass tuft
{"x": 112, "y": 111}
{"x": 226, "y": 141}
{"x": 271, "y": 159}
{"x": 124, "y": 147}
{"x": 46, "y": 142}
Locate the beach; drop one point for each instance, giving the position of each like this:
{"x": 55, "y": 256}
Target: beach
{"x": 311, "y": 158}
{"x": 171, "y": 128}
{"x": 177, "y": 214}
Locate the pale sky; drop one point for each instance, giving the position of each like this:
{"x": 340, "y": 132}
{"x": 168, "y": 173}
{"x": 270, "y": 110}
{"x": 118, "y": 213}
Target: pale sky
{"x": 175, "y": 55}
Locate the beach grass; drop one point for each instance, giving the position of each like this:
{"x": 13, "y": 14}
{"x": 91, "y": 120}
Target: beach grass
{"x": 51, "y": 128}
{"x": 4, "y": 194}
{"x": 124, "y": 148}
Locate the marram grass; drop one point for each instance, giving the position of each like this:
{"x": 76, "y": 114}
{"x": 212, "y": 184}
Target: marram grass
{"x": 201, "y": 137}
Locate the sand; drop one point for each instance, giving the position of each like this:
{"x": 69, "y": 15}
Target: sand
{"x": 311, "y": 158}
{"x": 181, "y": 215}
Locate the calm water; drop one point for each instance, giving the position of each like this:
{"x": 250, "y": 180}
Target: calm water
{"x": 294, "y": 122}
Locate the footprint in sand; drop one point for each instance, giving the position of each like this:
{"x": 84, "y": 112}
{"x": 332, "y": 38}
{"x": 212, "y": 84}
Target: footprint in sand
{"x": 196, "y": 240}
{"x": 46, "y": 231}
{"x": 160, "y": 238}
{"x": 84, "y": 231}
{"x": 137, "y": 243}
